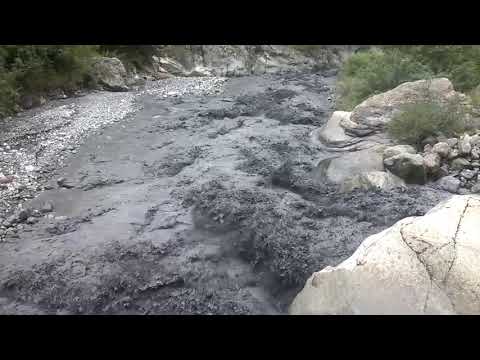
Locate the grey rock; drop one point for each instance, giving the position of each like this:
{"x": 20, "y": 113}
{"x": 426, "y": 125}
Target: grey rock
{"x": 110, "y": 74}
{"x": 476, "y": 188}
{"x": 32, "y": 220}
{"x": 442, "y": 149}
{"x": 47, "y": 207}
{"x": 409, "y": 167}
{"x": 459, "y": 163}
{"x": 432, "y": 163}
{"x": 468, "y": 174}
{"x": 398, "y": 149}
{"x": 63, "y": 182}
{"x": 452, "y": 142}
{"x": 464, "y": 146}
{"x": 454, "y": 153}
{"x": 449, "y": 183}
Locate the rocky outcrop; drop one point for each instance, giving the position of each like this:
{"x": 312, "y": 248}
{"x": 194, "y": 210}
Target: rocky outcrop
{"x": 110, "y": 74}
{"x": 336, "y": 170}
{"x": 421, "y": 265}
{"x": 240, "y": 60}
{"x": 365, "y": 125}
{"x": 373, "y": 180}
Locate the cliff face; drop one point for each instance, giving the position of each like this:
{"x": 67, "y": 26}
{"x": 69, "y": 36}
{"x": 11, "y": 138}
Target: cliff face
{"x": 239, "y": 60}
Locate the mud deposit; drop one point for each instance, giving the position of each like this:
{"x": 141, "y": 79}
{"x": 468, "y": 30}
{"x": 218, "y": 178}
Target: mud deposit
{"x": 195, "y": 204}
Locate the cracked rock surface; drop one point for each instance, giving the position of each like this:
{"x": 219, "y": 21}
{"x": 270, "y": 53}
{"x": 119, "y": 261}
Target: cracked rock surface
{"x": 421, "y": 265}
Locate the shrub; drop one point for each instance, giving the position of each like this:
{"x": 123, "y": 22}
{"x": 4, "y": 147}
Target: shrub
{"x": 416, "y": 122}
{"x": 30, "y": 69}
{"x": 374, "y": 71}
{"x": 377, "y": 70}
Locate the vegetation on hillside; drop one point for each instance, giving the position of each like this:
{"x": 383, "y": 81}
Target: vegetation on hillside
{"x": 37, "y": 69}
{"x": 380, "y": 69}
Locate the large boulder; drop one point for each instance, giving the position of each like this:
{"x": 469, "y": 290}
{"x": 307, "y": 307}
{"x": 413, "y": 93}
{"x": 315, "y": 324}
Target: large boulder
{"x": 110, "y": 74}
{"x": 338, "y": 169}
{"x": 397, "y": 150}
{"x": 372, "y": 180}
{"x": 449, "y": 183}
{"x": 421, "y": 265}
{"x": 375, "y": 112}
{"x": 365, "y": 125}
{"x": 409, "y": 167}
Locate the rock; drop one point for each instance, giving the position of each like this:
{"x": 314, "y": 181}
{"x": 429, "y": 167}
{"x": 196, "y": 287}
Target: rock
{"x": 464, "y": 146}
{"x": 421, "y": 265}
{"x": 11, "y": 220}
{"x": 110, "y": 74}
{"x": 332, "y": 133}
{"x": 6, "y": 179}
{"x": 337, "y": 170}
{"x": 36, "y": 213}
{"x": 449, "y": 183}
{"x": 443, "y": 171}
{"x": 375, "y": 112}
{"x": 62, "y": 182}
{"x": 459, "y": 163}
{"x": 429, "y": 141}
{"x": 427, "y": 148}
{"x": 373, "y": 180}
{"x": 475, "y": 140}
{"x": 407, "y": 166}
{"x": 432, "y": 162}
{"x": 442, "y": 149}
{"x": 468, "y": 174}
{"x": 47, "y": 207}
{"x": 454, "y": 153}
{"x": 30, "y": 168}
{"x": 475, "y": 153}
{"x": 32, "y": 220}
{"x": 23, "y": 215}
{"x": 397, "y": 150}
{"x": 452, "y": 142}
{"x": 476, "y": 188}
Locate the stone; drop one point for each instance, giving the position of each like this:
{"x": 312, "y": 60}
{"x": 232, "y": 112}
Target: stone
{"x": 449, "y": 183}
{"x": 397, "y": 150}
{"x": 475, "y": 152}
{"x": 452, "y": 142}
{"x": 475, "y": 140}
{"x": 476, "y": 188}
{"x": 407, "y": 166}
{"x": 454, "y": 153}
{"x": 421, "y": 265}
{"x": 338, "y": 169}
{"x": 6, "y": 179}
{"x": 63, "y": 182}
{"x": 373, "y": 180}
{"x": 375, "y": 112}
{"x": 464, "y": 146}
{"x": 110, "y": 73}
{"x": 427, "y": 148}
{"x": 23, "y": 214}
{"x": 32, "y": 220}
{"x": 459, "y": 163}
{"x": 333, "y": 134}
{"x": 442, "y": 149}
{"x": 432, "y": 162}
{"x": 47, "y": 207}
{"x": 468, "y": 174}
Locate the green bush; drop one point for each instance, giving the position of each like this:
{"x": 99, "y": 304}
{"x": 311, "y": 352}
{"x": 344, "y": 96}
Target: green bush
{"x": 377, "y": 70}
{"x": 33, "y": 69}
{"x": 416, "y": 122}
{"x": 374, "y": 71}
